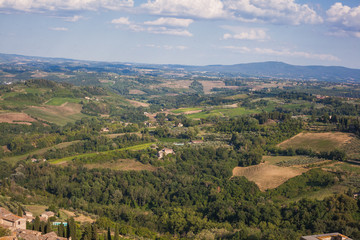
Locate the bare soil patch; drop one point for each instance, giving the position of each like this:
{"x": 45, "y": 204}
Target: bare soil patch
{"x": 78, "y": 217}
{"x": 136, "y": 92}
{"x": 5, "y": 149}
{"x": 209, "y": 85}
{"x": 325, "y": 141}
{"x": 174, "y": 84}
{"x": 137, "y": 103}
{"x": 19, "y": 118}
{"x": 65, "y": 109}
{"x": 191, "y": 112}
{"x": 267, "y": 176}
{"x": 124, "y": 165}
{"x": 38, "y": 74}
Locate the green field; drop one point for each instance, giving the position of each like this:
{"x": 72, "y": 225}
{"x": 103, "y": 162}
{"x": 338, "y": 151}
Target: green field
{"x": 54, "y": 118}
{"x": 183, "y": 110}
{"x": 134, "y": 148}
{"x": 325, "y": 141}
{"x": 15, "y": 159}
{"x": 238, "y": 96}
{"x": 229, "y": 112}
{"x": 34, "y": 90}
{"x": 59, "y": 101}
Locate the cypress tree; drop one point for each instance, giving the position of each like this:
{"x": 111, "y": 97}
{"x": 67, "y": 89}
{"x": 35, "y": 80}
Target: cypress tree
{"x": 61, "y": 230}
{"x": 20, "y": 211}
{"x": 37, "y": 224}
{"x": 48, "y": 227}
{"x": 94, "y": 235}
{"x": 116, "y": 234}
{"x": 86, "y": 235}
{"x": 72, "y": 229}
{"x": 68, "y": 229}
{"x": 108, "y": 234}
{"x": 42, "y": 227}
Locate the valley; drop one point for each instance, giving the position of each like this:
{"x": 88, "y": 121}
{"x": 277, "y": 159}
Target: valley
{"x": 178, "y": 153}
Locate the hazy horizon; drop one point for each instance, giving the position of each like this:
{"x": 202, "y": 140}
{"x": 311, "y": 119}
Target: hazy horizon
{"x": 197, "y": 32}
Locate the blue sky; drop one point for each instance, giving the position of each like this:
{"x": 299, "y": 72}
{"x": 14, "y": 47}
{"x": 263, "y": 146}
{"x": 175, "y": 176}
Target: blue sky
{"x": 193, "y": 32}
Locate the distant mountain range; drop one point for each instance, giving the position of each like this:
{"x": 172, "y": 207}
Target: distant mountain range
{"x": 261, "y": 69}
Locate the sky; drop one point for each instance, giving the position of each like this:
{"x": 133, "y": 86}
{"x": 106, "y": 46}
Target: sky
{"x": 191, "y": 32}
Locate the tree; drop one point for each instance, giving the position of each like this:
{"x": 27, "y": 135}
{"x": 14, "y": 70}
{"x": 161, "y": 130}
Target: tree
{"x": 116, "y": 234}
{"x": 19, "y": 211}
{"x": 48, "y": 227}
{"x": 37, "y": 223}
{"x": 86, "y": 235}
{"x": 4, "y": 232}
{"x": 94, "y": 235}
{"x": 71, "y": 229}
{"x": 61, "y": 230}
{"x": 108, "y": 234}
{"x": 68, "y": 229}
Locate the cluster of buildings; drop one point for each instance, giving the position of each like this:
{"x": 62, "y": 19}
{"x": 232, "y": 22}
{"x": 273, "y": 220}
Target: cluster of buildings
{"x": 17, "y": 226}
{"x": 328, "y": 236}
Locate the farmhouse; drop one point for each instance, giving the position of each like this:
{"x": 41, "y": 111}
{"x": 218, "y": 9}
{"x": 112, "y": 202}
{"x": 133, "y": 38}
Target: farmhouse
{"x": 328, "y": 236}
{"x": 165, "y": 151}
{"x": 105, "y": 129}
{"x": 11, "y": 221}
{"x": 28, "y": 216}
{"x": 46, "y": 215}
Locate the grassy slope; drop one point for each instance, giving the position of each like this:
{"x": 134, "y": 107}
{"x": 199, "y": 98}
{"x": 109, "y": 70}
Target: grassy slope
{"x": 15, "y": 159}
{"x": 54, "y": 118}
{"x": 59, "y": 101}
{"x": 134, "y": 148}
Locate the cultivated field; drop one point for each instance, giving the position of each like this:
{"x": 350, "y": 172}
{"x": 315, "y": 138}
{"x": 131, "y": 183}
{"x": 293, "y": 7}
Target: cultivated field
{"x": 268, "y": 176}
{"x": 123, "y": 165}
{"x": 221, "y": 112}
{"x": 15, "y": 159}
{"x": 325, "y": 141}
{"x": 60, "y": 101}
{"x": 19, "y": 118}
{"x": 61, "y": 115}
{"x": 77, "y": 216}
{"x": 209, "y": 85}
{"x": 179, "y": 84}
{"x": 136, "y": 92}
{"x": 85, "y": 155}
{"x": 138, "y": 104}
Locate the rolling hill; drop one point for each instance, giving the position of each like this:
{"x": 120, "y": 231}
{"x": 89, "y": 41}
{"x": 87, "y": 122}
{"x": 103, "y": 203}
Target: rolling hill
{"x": 14, "y": 67}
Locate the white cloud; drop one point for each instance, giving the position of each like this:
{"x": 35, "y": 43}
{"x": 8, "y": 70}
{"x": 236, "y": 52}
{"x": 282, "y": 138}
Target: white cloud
{"x": 273, "y": 11}
{"x": 169, "y": 31}
{"x": 54, "y": 5}
{"x": 284, "y": 52}
{"x": 167, "y": 47}
{"x": 59, "y": 29}
{"x": 136, "y": 27}
{"x": 176, "y": 22}
{"x": 74, "y": 18}
{"x": 246, "y": 34}
{"x": 345, "y": 20}
{"x": 121, "y": 21}
{"x": 194, "y": 8}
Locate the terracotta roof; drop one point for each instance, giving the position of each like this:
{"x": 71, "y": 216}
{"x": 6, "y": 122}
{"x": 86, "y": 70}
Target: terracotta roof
{"x": 8, "y": 216}
{"x": 11, "y": 218}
